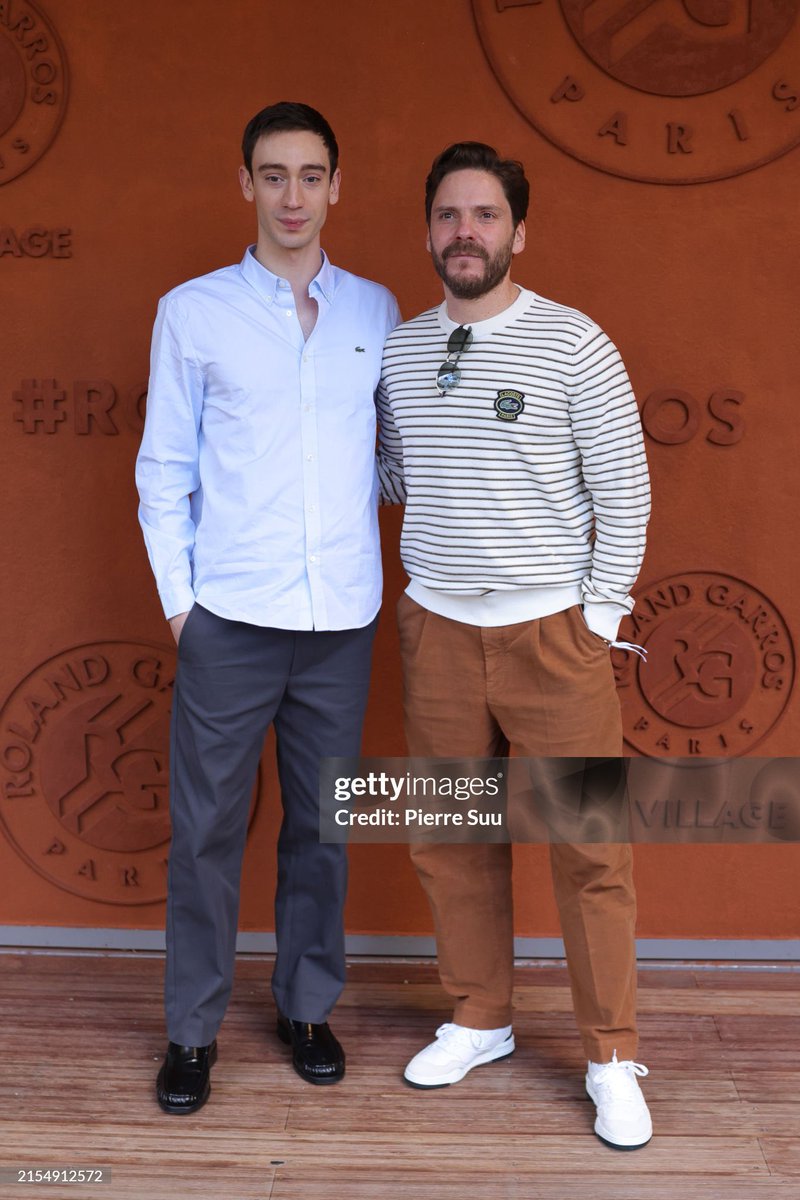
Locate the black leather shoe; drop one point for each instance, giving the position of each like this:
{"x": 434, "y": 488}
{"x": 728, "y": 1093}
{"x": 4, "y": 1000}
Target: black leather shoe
{"x": 184, "y": 1083}
{"x": 316, "y": 1054}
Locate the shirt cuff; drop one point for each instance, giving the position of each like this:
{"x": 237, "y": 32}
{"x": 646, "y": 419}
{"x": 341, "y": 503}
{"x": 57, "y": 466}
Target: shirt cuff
{"x": 176, "y": 601}
{"x": 603, "y": 619}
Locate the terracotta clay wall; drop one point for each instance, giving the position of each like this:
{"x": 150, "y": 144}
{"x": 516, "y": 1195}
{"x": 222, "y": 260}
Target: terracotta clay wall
{"x": 119, "y": 132}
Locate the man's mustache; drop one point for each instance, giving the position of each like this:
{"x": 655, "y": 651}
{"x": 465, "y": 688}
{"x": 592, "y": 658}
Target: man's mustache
{"x": 465, "y": 248}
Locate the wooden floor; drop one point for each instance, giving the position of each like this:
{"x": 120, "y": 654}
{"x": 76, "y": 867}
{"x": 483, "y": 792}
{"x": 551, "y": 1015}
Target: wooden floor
{"x": 82, "y": 1039}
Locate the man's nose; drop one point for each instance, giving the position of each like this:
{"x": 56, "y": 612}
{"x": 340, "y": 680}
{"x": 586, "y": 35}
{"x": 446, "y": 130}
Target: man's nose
{"x": 292, "y": 197}
{"x": 465, "y": 229}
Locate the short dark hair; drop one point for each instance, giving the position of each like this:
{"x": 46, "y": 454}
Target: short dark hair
{"x": 283, "y": 117}
{"x": 477, "y": 156}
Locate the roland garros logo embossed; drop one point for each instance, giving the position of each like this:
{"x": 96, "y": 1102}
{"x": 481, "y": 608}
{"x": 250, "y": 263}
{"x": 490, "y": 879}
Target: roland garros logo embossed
{"x": 33, "y": 86}
{"x": 661, "y": 91}
{"x": 84, "y": 770}
{"x": 719, "y": 672}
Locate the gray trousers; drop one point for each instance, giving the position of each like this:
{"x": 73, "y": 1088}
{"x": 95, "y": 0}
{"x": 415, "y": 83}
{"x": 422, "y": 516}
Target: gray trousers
{"x": 233, "y": 680}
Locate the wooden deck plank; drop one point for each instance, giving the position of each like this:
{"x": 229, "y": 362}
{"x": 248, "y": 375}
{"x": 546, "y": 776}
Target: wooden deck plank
{"x": 399, "y": 1185}
{"x": 202, "y": 1139}
{"x": 762, "y": 1085}
{"x": 546, "y": 1114}
{"x": 784, "y": 978}
{"x": 723, "y": 1090}
{"x": 164, "y": 1183}
{"x": 783, "y": 1156}
{"x": 757, "y": 1029}
{"x": 553, "y": 999}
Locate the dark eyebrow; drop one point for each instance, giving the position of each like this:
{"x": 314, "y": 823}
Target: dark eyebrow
{"x": 283, "y": 167}
{"x": 474, "y": 207}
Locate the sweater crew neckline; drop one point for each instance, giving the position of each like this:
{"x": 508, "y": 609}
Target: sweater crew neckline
{"x": 484, "y": 329}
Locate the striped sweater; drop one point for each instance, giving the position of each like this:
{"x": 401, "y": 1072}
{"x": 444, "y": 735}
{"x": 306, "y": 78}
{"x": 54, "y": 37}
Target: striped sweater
{"x": 543, "y": 488}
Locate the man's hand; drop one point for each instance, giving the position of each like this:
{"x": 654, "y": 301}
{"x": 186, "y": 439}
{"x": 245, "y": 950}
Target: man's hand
{"x": 177, "y": 623}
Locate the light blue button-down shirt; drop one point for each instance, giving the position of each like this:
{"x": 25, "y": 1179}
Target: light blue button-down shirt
{"x": 256, "y": 472}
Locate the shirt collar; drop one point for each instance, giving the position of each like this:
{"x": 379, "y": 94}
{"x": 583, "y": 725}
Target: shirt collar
{"x": 267, "y": 284}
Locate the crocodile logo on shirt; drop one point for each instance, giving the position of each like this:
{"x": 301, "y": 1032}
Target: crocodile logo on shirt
{"x": 509, "y": 404}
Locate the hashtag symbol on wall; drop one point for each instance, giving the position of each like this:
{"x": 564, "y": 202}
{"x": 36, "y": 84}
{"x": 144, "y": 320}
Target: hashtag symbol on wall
{"x": 40, "y": 405}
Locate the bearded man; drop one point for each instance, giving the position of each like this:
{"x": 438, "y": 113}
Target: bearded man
{"x": 509, "y": 429}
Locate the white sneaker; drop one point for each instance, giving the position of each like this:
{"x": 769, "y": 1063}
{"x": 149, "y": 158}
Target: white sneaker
{"x": 457, "y": 1049}
{"x": 623, "y": 1119}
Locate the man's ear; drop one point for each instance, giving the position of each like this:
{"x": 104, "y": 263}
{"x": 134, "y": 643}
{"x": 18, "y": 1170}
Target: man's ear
{"x": 519, "y": 238}
{"x": 246, "y": 183}
{"x": 428, "y": 239}
{"x": 333, "y": 194}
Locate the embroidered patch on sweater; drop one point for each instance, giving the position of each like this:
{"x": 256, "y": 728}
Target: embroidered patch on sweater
{"x": 509, "y": 404}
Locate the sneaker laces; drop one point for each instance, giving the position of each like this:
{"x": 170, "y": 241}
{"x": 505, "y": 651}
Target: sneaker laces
{"x": 457, "y": 1039}
{"x": 620, "y": 1077}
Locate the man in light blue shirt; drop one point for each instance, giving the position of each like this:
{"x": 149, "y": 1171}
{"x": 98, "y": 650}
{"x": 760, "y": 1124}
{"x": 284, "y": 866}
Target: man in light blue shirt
{"x": 258, "y": 506}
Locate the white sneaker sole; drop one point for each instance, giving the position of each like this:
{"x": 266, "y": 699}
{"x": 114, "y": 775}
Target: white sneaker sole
{"x": 606, "y": 1136}
{"x": 504, "y": 1050}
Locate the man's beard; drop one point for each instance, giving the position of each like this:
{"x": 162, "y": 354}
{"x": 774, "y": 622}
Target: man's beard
{"x": 495, "y": 269}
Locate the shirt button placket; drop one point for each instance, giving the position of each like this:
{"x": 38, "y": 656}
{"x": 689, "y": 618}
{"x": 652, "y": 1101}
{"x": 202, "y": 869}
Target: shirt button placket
{"x": 308, "y": 433}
